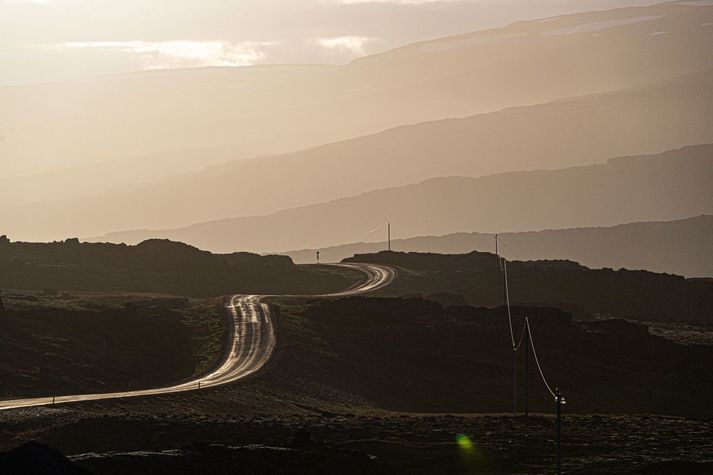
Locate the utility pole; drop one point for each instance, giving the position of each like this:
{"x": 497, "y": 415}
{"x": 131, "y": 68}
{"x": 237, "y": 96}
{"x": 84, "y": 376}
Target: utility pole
{"x": 526, "y": 329}
{"x": 560, "y": 400}
{"x": 514, "y": 382}
{"x": 506, "y": 300}
{"x": 388, "y": 234}
{"x": 504, "y": 265}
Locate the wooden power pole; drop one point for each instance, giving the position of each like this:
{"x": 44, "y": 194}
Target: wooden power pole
{"x": 388, "y": 235}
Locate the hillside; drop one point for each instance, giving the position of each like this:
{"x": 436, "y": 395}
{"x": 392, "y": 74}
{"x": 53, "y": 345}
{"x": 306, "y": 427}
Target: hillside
{"x": 523, "y": 63}
{"x": 621, "y": 107}
{"x": 560, "y": 134}
{"x": 154, "y": 266}
{"x": 668, "y": 186}
{"x": 442, "y": 371}
{"x": 677, "y": 247}
{"x": 476, "y": 277}
{"x": 84, "y": 342}
{"x": 415, "y": 356}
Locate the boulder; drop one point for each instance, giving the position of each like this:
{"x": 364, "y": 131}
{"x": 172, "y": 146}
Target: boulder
{"x": 35, "y": 458}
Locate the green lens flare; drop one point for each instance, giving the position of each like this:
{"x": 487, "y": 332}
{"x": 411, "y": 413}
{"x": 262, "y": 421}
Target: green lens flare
{"x": 464, "y": 442}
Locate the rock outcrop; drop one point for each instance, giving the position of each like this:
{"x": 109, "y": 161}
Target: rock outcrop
{"x": 35, "y": 458}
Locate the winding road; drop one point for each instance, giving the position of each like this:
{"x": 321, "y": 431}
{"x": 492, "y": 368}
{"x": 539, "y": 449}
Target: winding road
{"x": 252, "y": 343}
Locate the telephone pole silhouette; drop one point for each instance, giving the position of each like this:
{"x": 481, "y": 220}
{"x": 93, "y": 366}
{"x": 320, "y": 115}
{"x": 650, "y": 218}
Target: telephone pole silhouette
{"x": 560, "y": 400}
{"x": 527, "y": 352}
{"x": 388, "y": 235}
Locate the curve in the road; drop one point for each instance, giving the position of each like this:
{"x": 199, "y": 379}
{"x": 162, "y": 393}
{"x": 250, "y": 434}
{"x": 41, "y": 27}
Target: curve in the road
{"x": 253, "y": 341}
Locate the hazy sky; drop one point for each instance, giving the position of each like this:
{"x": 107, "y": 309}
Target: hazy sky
{"x": 49, "y": 40}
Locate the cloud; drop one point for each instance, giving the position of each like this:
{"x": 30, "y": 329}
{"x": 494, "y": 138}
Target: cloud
{"x": 50, "y": 40}
{"x": 341, "y": 44}
{"x": 181, "y": 54}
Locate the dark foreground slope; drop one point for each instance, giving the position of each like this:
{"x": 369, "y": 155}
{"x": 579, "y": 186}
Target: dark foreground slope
{"x": 476, "y": 277}
{"x": 361, "y": 372}
{"x": 89, "y": 342}
{"x": 154, "y": 266}
{"x": 412, "y": 355}
{"x": 379, "y": 354}
{"x": 680, "y": 247}
{"x": 393, "y": 443}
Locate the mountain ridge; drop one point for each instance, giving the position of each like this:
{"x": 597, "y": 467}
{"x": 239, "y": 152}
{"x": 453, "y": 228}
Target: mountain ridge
{"x": 211, "y": 108}
{"x": 677, "y": 247}
{"x": 666, "y": 186}
{"x": 553, "y": 135}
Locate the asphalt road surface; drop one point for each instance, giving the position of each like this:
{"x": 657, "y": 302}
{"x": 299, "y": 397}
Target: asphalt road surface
{"x": 253, "y": 341}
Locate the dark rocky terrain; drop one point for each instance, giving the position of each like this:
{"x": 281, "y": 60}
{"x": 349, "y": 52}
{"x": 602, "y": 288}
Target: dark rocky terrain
{"x": 155, "y": 266}
{"x": 637, "y": 295}
{"x": 389, "y": 384}
{"x": 411, "y": 355}
{"x": 155, "y": 441}
{"x": 34, "y": 458}
{"x": 86, "y": 342}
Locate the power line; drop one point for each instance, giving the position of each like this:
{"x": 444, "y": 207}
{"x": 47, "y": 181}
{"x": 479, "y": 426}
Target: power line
{"x": 510, "y": 249}
{"x": 512, "y": 337}
{"x": 522, "y": 335}
{"x": 368, "y": 232}
{"x": 507, "y": 301}
{"x": 526, "y": 326}
{"x": 534, "y": 352}
{"x": 529, "y": 343}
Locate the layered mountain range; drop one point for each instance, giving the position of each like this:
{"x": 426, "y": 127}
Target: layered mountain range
{"x": 508, "y": 129}
{"x": 639, "y": 188}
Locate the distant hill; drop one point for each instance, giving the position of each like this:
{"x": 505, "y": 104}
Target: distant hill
{"x": 668, "y": 186}
{"x": 680, "y": 247}
{"x": 154, "y": 266}
{"x": 637, "y": 295}
{"x": 625, "y": 97}
{"x": 524, "y": 63}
